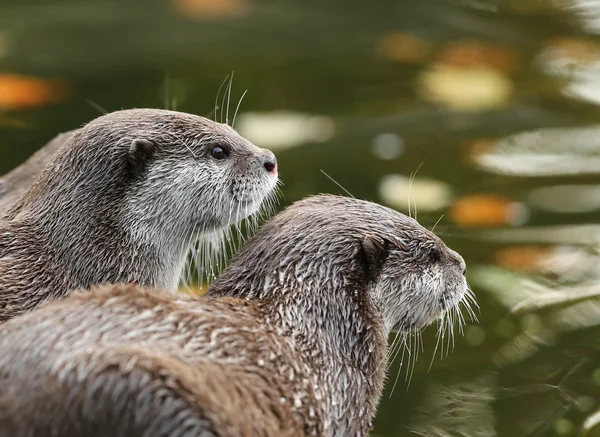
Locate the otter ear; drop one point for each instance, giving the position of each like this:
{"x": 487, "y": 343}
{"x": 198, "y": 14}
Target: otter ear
{"x": 374, "y": 251}
{"x": 140, "y": 152}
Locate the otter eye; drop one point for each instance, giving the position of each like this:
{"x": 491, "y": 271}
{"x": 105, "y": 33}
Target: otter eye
{"x": 218, "y": 153}
{"x": 435, "y": 256}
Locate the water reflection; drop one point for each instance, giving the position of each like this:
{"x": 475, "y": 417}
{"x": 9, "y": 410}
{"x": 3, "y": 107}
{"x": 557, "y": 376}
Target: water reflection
{"x": 544, "y": 152}
{"x": 458, "y": 408}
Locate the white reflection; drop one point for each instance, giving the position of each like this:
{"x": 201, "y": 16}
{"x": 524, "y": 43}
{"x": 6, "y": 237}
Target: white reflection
{"x": 419, "y": 194}
{"x": 388, "y": 146}
{"x": 584, "y": 83}
{"x": 523, "y": 346}
{"x": 589, "y": 13}
{"x": 559, "y": 234}
{"x": 567, "y": 308}
{"x": 590, "y": 423}
{"x": 566, "y": 198}
{"x": 545, "y": 152}
{"x": 279, "y": 130}
{"x": 458, "y": 409}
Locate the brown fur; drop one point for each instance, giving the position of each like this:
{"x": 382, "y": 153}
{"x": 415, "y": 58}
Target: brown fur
{"x": 124, "y": 200}
{"x": 290, "y": 340}
{"x": 19, "y": 180}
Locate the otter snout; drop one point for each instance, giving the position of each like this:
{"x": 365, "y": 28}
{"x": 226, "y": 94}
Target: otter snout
{"x": 459, "y": 260}
{"x": 270, "y": 162}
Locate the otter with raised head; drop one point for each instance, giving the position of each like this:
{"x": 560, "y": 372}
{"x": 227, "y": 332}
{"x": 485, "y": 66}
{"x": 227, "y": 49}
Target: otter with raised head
{"x": 123, "y": 200}
{"x": 290, "y": 340}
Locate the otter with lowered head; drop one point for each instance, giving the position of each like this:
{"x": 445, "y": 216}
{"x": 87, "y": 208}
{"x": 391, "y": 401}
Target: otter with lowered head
{"x": 123, "y": 200}
{"x": 291, "y": 339}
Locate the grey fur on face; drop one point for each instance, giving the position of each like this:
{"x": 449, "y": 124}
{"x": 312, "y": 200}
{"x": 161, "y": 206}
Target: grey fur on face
{"x": 124, "y": 200}
{"x": 291, "y": 340}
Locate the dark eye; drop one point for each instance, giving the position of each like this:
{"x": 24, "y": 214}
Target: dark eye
{"x": 435, "y": 255}
{"x": 218, "y": 153}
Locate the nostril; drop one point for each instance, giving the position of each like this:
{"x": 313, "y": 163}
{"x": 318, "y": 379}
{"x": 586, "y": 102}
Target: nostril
{"x": 271, "y": 165}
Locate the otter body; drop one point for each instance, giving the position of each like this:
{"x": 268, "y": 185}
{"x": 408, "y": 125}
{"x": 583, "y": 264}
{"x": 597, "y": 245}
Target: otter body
{"x": 290, "y": 340}
{"x": 19, "y": 180}
{"x": 123, "y": 200}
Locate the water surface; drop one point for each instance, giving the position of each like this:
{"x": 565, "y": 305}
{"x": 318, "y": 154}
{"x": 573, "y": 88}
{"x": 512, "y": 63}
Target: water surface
{"x": 492, "y": 103}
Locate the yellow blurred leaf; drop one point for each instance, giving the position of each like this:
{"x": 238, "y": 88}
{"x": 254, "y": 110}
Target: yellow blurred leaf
{"x": 403, "y": 48}
{"x": 465, "y": 88}
{"x": 194, "y": 290}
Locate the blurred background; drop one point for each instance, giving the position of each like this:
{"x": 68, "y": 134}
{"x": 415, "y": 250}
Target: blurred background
{"x": 481, "y": 115}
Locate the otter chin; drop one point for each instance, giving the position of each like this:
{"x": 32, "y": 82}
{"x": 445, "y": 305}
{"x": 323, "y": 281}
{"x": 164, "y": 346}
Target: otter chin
{"x": 290, "y": 340}
{"x": 124, "y": 199}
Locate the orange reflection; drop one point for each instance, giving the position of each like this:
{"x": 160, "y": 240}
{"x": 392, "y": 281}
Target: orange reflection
{"x": 211, "y": 8}
{"x": 473, "y": 53}
{"x": 486, "y": 210}
{"x": 22, "y": 92}
{"x": 474, "y": 148}
{"x": 576, "y": 49}
{"x": 523, "y": 258}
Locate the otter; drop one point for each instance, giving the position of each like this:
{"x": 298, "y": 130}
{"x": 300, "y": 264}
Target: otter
{"x": 123, "y": 200}
{"x": 19, "y": 180}
{"x": 290, "y": 340}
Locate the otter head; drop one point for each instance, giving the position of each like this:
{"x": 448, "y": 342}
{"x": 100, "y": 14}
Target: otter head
{"x": 128, "y": 194}
{"x": 206, "y": 170}
{"x": 155, "y": 170}
{"x": 414, "y": 277}
{"x": 350, "y": 249}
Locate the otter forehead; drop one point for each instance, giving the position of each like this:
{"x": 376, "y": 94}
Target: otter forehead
{"x": 149, "y": 119}
{"x": 166, "y": 124}
{"x": 343, "y": 213}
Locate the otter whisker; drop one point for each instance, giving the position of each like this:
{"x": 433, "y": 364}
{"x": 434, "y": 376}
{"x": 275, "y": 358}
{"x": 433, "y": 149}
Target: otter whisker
{"x": 237, "y": 109}
{"x": 278, "y": 191}
{"x": 450, "y": 338}
{"x": 460, "y": 319}
{"x": 228, "y": 99}
{"x": 470, "y": 297}
{"x": 411, "y": 179}
{"x": 470, "y": 311}
{"x": 405, "y": 349}
{"x": 97, "y": 106}
{"x": 437, "y": 342}
{"x": 436, "y": 223}
{"x": 217, "y": 107}
{"x": 337, "y": 183}
{"x": 393, "y": 351}
{"x": 416, "y": 337}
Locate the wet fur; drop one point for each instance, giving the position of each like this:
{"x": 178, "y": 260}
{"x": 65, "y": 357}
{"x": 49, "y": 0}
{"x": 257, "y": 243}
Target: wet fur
{"x": 122, "y": 201}
{"x": 19, "y": 180}
{"x": 290, "y": 340}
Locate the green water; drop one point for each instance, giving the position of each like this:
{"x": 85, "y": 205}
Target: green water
{"x": 358, "y": 111}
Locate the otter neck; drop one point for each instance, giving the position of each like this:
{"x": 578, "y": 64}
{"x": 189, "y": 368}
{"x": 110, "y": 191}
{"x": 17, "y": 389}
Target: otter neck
{"x": 90, "y": 238}
{"x": 331, "y": 319}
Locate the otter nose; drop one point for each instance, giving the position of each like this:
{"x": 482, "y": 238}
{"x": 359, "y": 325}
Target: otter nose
{"x": 271, "y": 164}
{"x": 462, "y": 265}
